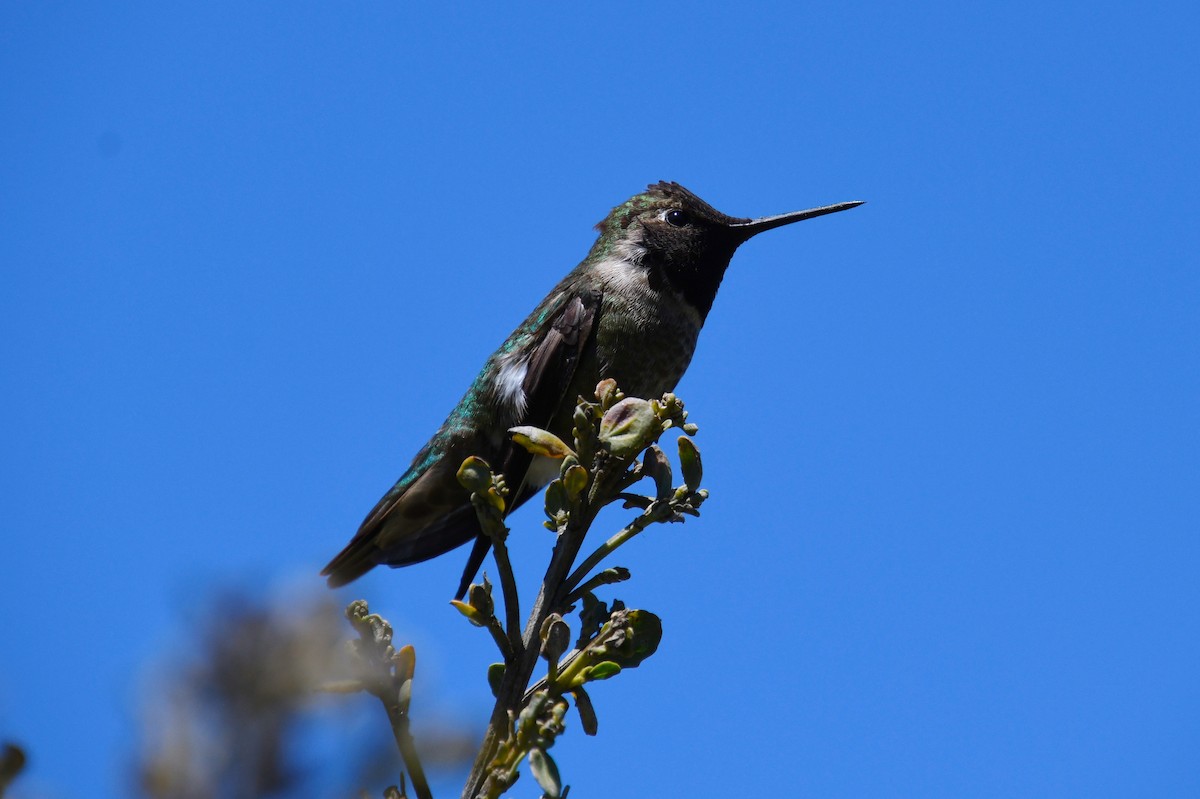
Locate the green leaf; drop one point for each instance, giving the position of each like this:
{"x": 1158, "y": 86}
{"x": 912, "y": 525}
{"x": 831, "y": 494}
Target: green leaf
{"x": 556, "y": 637}
{"x": 404, "y": 695}
{"x": 472, "y": 615}
{"x": 607, "y": 393}
{"x": 587, "y": 713}
{"x": 658, "y": 468}
{"x": 545, "y": 771}
{"x": 495, "y": 675}
{"x": 495, "y": 499}
{"x": 628, "y": 427}
{"x": 602, "y": 671}
{"x": 557, "y": 501}
{"x": 540, "y": 442}
{"x": 480, "y": 597}
{"x": 642, "y": 635}
{"x": 475, "y": 475}
{"x": 689, "y": 463}
{"x": 575, "y": 480}
{"x": 406, "y": 662}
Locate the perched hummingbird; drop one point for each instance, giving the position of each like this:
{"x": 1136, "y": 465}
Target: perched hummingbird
{"x": 630, "y": 311}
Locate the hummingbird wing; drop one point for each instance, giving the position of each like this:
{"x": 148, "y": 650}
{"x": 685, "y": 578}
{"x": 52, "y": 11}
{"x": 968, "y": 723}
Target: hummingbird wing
{"x": 427, "y": 512}
{"x": 549, "y": 373}
{"x": 412, "y": 522}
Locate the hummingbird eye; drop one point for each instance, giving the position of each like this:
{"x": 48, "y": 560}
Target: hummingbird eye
{"x": 676, "y": 218}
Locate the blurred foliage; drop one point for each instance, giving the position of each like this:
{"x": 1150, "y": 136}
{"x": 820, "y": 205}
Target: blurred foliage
{"x": 224, "y": 725}
{"x": 12, "y": 762}
{"x": 237, "y": 711}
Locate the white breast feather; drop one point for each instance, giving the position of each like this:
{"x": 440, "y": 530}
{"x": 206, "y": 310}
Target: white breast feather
{"x": 627, "y": 278}
{"x": 510, "y": 385}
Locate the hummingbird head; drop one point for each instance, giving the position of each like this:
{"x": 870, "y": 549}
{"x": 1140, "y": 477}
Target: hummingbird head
{"x": 683, "y": 241}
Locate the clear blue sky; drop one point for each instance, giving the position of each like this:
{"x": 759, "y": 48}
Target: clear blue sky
{"x": 250, "y": 255}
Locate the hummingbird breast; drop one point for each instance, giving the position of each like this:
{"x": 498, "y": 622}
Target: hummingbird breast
{"x": 646, "y": 331}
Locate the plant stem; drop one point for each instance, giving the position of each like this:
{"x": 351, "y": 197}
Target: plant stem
{"x": 604, "y": 550}
{"x": 408, "y": 751}
{"x": 503, "y": 643}
{"x": 508, "y": 585}
{"x": 519, "y": 670}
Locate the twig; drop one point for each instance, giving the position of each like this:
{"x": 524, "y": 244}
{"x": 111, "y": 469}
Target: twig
{"x": 606, "y": 577}
{"x": 408, "y": 750}
{"x": 508, "y": 585}
{"x": 606, "y": 549}
{"x": 492, "y": 523}
{"x": 387, "y": 674}
{"x": 503, "y": 643}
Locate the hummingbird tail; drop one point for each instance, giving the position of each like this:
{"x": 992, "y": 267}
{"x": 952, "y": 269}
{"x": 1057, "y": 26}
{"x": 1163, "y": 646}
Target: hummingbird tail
{"x": 351, "y": 563}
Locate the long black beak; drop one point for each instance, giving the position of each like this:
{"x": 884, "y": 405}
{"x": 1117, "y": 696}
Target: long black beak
{"x": 755, "y": 226}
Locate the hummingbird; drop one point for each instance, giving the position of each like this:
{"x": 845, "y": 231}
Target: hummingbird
{"x": 631, "y": 311}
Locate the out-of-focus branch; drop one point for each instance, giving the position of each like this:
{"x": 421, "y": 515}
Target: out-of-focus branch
{"x": 387, "y": 674}
{"x": 12, "y": 762}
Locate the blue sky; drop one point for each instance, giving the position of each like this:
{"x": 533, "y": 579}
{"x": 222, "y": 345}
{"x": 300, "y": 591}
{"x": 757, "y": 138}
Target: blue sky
{"x": 250, "y": 256}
